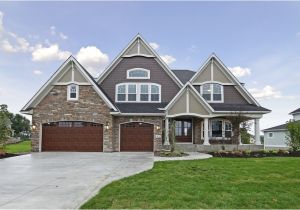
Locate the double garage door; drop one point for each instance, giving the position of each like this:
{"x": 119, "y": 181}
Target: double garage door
{"x": 88, "y": 137}
{"x": 72, "y": 136}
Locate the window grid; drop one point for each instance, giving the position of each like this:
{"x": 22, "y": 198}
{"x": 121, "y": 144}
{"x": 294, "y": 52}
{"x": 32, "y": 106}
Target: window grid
{"x": 138, "y": 92}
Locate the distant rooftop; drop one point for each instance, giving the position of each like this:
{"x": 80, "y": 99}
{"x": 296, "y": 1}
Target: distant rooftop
{"x": 184, "y": 75}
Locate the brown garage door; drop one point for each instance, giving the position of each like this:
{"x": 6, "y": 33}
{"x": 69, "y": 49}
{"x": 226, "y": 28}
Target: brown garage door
{"x": 136, "y": 136}
{"x": 72, "y": 136}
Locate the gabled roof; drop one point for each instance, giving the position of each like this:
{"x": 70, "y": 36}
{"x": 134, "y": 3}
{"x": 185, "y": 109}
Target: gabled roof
{"x": 297, "y": 111}
{"x": 183, "y": 75}
{"x": 200, "y": 99}
{"x": 45, "y": 89}
{"x": 221, "y": 107}
{"x": 138, "y": 39}
{"x": 281, "y": 127}
{"x": 228, "y": 74}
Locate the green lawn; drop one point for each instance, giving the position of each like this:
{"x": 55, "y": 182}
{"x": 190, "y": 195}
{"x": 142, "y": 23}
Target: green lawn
{"x": 22, "y": 147}
{"x": 213, "y": 183}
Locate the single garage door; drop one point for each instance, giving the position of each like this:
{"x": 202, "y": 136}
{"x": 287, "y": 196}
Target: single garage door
{"x": 136, "y": 137}
{"x": 72, "y": 136}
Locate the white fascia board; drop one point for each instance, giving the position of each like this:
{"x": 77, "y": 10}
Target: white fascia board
{"x": 100, "y": 93}
{"x": 137, "y": 114}
{"x": 104, "y": 74}
{"x": 202, "y": 67}
{"x": 30, "y": 102}
{"x": 236, "y": 80}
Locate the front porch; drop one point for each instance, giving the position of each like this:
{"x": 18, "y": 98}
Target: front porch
{"x": 193, "y": 133}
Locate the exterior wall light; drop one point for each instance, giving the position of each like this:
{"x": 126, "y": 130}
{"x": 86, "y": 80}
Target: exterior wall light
{"x": 33, "y": 127}
{"x": 106, "y": 126}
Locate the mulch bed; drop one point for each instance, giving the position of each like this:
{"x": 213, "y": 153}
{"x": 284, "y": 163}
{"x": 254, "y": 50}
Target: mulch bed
{"x": 7, "y": 155}
{"x": 170, "y": 154}
{"x": 255, "y": 154}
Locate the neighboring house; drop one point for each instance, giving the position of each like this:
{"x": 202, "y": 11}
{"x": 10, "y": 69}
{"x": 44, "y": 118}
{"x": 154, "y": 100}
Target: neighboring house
{"x": 130, "y": 106}
{"x": 275, "y": 137}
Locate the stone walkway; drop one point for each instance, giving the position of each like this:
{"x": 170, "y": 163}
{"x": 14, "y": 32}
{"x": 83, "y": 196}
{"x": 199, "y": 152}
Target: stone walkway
{"x": 191, "y": 156}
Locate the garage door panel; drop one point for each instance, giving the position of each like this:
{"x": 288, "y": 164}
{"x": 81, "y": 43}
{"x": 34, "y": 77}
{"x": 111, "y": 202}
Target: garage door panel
{"x": 136, "y": 137}
{"x": 81, "y": 139}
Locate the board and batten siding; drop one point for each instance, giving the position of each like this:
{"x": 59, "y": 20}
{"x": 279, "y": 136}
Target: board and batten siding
{"x": 157, "y": 75}
{"x": 278, "y": 139}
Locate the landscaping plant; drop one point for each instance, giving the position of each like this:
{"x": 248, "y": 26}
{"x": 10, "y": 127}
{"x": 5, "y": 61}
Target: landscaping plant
{"x": 293, "y": 135}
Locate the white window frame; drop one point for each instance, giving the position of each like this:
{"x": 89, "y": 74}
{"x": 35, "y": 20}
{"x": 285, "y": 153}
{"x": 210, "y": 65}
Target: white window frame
{"x": 142, "y": 69}
{"x": 69, "y": 92}
{"x": 223, "y": 129}
{"x": 211, "y": 93}
{"x": 138, "y": 92}
{"x": 270, "y": 137}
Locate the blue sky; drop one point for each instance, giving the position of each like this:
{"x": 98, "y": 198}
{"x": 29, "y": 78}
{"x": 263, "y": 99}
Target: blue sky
{"x": 260, "y": 41}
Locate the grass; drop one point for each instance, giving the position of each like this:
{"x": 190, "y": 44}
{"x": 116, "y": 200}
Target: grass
{"x": 213, "y": 183}
{"x": 21, "y": 147}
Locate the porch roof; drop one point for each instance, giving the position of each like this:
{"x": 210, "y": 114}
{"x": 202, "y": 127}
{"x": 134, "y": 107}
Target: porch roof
{"x": 141, "y": 107}
{"x": 238, "y": 107}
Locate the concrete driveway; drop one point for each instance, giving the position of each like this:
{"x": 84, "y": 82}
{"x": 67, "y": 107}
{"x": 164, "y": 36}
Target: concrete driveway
{"x": 63, "y": 180}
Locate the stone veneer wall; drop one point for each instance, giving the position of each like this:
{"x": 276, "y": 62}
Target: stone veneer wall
{"x": 55, "y": 107}
{"x": 123, "y": 119}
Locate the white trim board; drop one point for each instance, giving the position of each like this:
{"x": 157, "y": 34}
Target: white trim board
{"x": 32, "y": 102}
{"x": 138, "y": 37}
{"x": 228, "y": 74}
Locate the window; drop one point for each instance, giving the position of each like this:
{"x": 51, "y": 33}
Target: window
{"x": 138, "y": 92}
{"x": 132, "y": 92}
{"x": 228, "y": 129}
{"x": 121, "y": 93}
{"x": 183, "y": 128}
{"x": 73, "y": 92}
{"x": 216, "y": 128}
{"x": 212, "y": 92}
{"x": 138, "y": 73}
{"x": 154, "y": 93}
{"x": 270, "y": 135}
{"x": 144, "y": 96}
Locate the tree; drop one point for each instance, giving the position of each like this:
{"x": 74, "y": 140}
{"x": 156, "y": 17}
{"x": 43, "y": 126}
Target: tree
{"x": 245, "y": 135}
{"x": 293, "y": 135}
{"x": 20, "y": 124}
{"x": 4, "y": 126}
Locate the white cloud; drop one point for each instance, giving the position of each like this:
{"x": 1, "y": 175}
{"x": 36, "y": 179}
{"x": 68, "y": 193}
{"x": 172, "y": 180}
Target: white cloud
{"x": 168, "y": 59}
{"x": 11, "y": 42}
{"x": 154, "y": 45}
{"x": 37, "y": 72}
{"x": 267, "y": 92}
{"x": 92, "y": 59}
{"x": 240, "y": 71}
{"x": 53, "y": 30}
{"x": 41, "y": 53}
{"x": 63, "y": 36}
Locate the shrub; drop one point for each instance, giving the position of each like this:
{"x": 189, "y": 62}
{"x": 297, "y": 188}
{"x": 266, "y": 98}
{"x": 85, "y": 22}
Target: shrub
{"x": 247, "y": 153}
{"x": 293, "y": 135}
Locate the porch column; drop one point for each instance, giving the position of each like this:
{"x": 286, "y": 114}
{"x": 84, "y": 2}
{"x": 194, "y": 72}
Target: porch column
{"x": 206, "y": 139}
{"x": 167, "y": 142}
{"x": 257, "y": 132}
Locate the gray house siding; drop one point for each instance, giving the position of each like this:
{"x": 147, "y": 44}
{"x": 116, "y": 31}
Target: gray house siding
{"x": 157, "y": 75}
{"x": 231, "y": 95}
{"x": 277, "y": 140}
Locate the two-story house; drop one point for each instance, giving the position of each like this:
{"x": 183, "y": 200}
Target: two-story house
{"x": 134, "y": 102}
